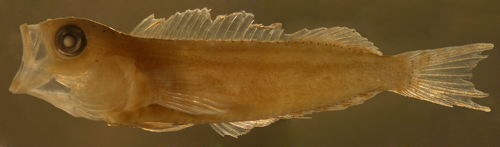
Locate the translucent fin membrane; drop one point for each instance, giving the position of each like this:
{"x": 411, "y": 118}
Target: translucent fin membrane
{"x": 186, "y": 95}
{"x": 162, "y": 127}
{"x": 197, "y": 25}
{"x": 438, "y": 75}
{"x": 239, "y": 128}
{"x": 191, "y": 104}
{"x": 340, "y": 36}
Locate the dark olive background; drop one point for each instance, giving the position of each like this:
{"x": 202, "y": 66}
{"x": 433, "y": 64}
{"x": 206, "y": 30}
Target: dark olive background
{"x": 395, "y": 26}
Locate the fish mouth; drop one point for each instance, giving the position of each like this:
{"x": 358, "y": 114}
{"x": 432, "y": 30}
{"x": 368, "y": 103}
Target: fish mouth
{"x": 32, "y": 73}
{"x": 36, "y": 78}
{"x": 33, "y": 77}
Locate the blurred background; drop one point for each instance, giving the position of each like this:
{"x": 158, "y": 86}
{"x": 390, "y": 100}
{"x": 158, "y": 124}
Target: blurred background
{"x": 395, "y": 26}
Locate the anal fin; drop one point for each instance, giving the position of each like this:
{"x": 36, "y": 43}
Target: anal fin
{"x": 239, "y": 128}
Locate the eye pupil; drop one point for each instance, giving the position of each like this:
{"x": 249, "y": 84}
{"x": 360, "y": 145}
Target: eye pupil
{"x": 70, "y": 40}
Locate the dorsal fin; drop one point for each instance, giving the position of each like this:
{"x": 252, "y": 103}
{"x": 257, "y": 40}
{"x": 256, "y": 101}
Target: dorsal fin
{"x": 197, "y": 25}
{"x": 340, "y": 36}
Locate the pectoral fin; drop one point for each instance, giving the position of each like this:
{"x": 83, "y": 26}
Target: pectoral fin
{"x": 193, "y": 103}
{"x": 162, "y": 127}
{"x": 185, "y": 93}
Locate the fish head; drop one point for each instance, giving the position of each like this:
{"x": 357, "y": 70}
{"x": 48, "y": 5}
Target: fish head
{"x": 60, "y": 64}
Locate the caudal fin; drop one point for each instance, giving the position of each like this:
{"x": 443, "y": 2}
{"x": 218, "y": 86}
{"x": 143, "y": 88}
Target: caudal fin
{"x": 438, "y": 75}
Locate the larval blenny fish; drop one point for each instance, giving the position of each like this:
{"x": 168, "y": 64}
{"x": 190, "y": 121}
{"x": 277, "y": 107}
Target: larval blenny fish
{"x": 170, "y": 74}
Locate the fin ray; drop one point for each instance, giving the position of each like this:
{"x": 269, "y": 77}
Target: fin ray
{"x": 197, "y": 25}
{"x": 438, "y": 75}
{"x": 186, "y": 95}
{"x": 162, "y": 127}
{"x": 239, "y": 128}
{"x": 341, "y": 36}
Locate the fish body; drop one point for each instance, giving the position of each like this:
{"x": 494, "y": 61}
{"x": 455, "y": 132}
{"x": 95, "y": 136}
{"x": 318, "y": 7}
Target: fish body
{"x": 260, "y": 79}
{"x": 169, "y": 74}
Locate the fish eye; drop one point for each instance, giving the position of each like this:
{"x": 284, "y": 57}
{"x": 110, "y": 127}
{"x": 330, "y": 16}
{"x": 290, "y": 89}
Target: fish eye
{"x": 70, "y": 40}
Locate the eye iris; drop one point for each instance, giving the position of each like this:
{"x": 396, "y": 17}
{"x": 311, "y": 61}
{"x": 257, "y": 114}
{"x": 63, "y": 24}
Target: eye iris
{"x": 70, "y": 40}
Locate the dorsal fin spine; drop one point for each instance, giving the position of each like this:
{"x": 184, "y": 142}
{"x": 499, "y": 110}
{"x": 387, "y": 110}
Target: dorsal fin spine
{"x": 215, "y": 28}
{"x": 248, "y": 33}
{"x": 148, "y": 29}
{"x": 242, "y": 24}
{"x": 145, "y": 22}
{"x": 257, "y": 34}
{"x": 233, "y": 27}
{"x": 175, "y": 21}
{"x": 153, "y": 31}
{"x": 247, "y": 20}
{"x": 162, "y": 30}
{"x": 266, "y": 34}
{"x": 212, "y": 30}
{"x": 225, "y": 27}
{"x": 276, "y": 33}
{"x": 202, "y": 30}
{"x": 168, "y": 26}
{"x": 189, "y": 25}
{"x": 222, "y": 29}
{"x": 182, "y": 24}
{"x": 197, "y": 25}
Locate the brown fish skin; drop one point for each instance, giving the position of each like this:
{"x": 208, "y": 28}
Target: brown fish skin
{"x": 259, "y": 79}
{"x": 169, "y": 84}
{"x": 263, "y": 79}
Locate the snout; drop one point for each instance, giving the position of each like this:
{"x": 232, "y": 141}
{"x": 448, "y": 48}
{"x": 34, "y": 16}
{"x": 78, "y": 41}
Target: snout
{"x": 32, "y": 72}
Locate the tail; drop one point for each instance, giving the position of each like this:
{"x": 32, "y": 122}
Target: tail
{"x": 438, "y": 75}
